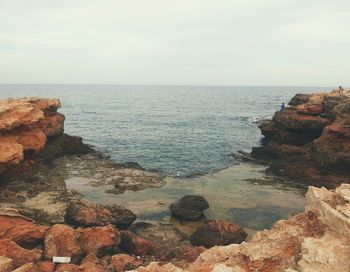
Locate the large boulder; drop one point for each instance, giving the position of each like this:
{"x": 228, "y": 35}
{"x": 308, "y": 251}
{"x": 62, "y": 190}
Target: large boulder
{"x": 190, "y": 208}
{"x": 63, "y": 241}
{"x": 136, "y": 245}
{"x": 19, "y": 255}
{"x": 217, "y": 233}
{"x": 99, "y": 240}
{"x": 83, "y": 213}
{"x": 20, "y": 229}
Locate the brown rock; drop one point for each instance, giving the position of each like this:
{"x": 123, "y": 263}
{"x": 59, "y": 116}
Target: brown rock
{"x": 190, "y": 207}
{"x": 46, "y": 266}
{"x": 18, "y": 254}
{"x": 123, "y": 262}
{"x": 29, "y": 267}
{"x": 6, "y": 264}
{"x": 136, "y": 245}
{"x": 63, "y": 241}
{"x": 24, "y": 126}
{"x": 90, "y": 258}
{"x": 27, "y": 235}
{"x": 90, "y": 267}
{"x": 218, "y": 233}
{"x": 99, "y": 240}
{"x": 66, "y": 268}
{"x": 89, "y": 214}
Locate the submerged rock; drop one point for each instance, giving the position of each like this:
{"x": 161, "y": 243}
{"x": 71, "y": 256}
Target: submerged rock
{"x": 190, "y": 208}
{"x": 88, "y": 214}
{"x": 218, "y": 233}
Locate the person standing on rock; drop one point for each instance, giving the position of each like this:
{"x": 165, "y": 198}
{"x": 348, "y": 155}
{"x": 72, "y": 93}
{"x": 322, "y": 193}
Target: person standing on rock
{"x": 283, "y": 107}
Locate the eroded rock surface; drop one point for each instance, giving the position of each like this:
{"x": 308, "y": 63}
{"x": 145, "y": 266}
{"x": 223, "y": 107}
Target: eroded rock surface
{"x": 310, "y": 140}
{"x": 25, "y": 125}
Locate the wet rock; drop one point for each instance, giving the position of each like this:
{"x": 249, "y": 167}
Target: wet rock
{"x": 190, "y": 208}
{"x": 123, "y": 262}
{"x": 99, "y": 240}
{"x": 6, "y": 264}
{"x": 46, "y": 266}
{"x": 88, "y": 214}
{"x": 63, "y": 241}
{"x": 18, "y": 254}
{"x": 217, "y": 233}
{"x": 133, "y": 244}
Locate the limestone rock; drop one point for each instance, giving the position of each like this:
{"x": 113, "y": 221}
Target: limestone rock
{"x": 6, "y": 264}
{"x": 123, "y": 262}
{"x": 63, "y": 241}
{"x": 217, "y": 233}
{"x": 99, "y": 240}
{"x": 25, "y": 125}
{"x": 19, "y": 255}
{"x": 88, "y": 214}
{"x": 29, "y": 267}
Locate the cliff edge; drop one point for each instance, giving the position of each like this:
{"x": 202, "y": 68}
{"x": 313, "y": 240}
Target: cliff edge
{"x": 310, "y": 140}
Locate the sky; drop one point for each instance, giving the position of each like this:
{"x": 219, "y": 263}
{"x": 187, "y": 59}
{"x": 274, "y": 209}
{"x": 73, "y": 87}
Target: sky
{"x": 182, "y": 42}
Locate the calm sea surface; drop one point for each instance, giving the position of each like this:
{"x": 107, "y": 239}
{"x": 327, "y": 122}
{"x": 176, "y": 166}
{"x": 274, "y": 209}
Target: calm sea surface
{"x": 176, "y": 129}
{"x": 180, "y": 131}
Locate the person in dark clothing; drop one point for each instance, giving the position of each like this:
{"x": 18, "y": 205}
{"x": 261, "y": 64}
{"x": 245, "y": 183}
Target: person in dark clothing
{"x": 283, "y": 107}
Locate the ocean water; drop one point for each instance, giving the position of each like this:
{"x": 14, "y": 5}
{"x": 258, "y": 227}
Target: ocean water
{"x": 179, "y": 130}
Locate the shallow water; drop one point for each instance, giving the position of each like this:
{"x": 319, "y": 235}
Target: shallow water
{"x": 241, "y": 193}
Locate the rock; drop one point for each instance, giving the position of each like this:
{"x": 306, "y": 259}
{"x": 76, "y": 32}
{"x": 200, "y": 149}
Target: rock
{"x": 63, "y": 241}
{"x": 316, "y": 240}
{"x": 90, "y": 267}
{"x": 66, "y": 268}
{"x": 90, "y": 258}
{"x": 27, "y": 236}
{"x": 190, "y": 208}
{"x": 318, "y": 125}
{"x": 99, "y": 240}
{"x": 29, "y": 267}
{"x": 133, "y": 244}
{"x": 25, "y": 125}
{"x": 89, "y": 214}
{"x": 46, "y": 266}
{"x": 123, "y": 262}
{"x": 19, "y": 255}
{"x": 6, "y": 264}
{"x": 217, "y": 233}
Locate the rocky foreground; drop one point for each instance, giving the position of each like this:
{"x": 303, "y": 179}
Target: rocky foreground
{"x": 310, "y": 140}
{"x": 316, "y": 240}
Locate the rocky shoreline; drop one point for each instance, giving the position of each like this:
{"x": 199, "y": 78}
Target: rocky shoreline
{"x": 40, "y": 218}
{"x": 310, "y": 140}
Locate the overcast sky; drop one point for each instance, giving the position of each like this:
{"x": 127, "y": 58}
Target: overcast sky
{"x": 183, "y": 42}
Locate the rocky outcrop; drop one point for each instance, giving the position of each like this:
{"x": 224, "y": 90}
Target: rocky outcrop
{"x": 317, "y": 240}
{"x": 189, "y": 208}
{"x": 25, "y": 125}
{"x": 310, "y": 140}
{"x": 218, "y": 233}
{"x": 83, "y": 213}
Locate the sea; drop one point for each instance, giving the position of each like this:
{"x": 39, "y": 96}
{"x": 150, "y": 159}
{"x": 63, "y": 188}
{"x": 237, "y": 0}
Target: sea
{"x": 189, "y": 133}
{"x": 178, "y": 130}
